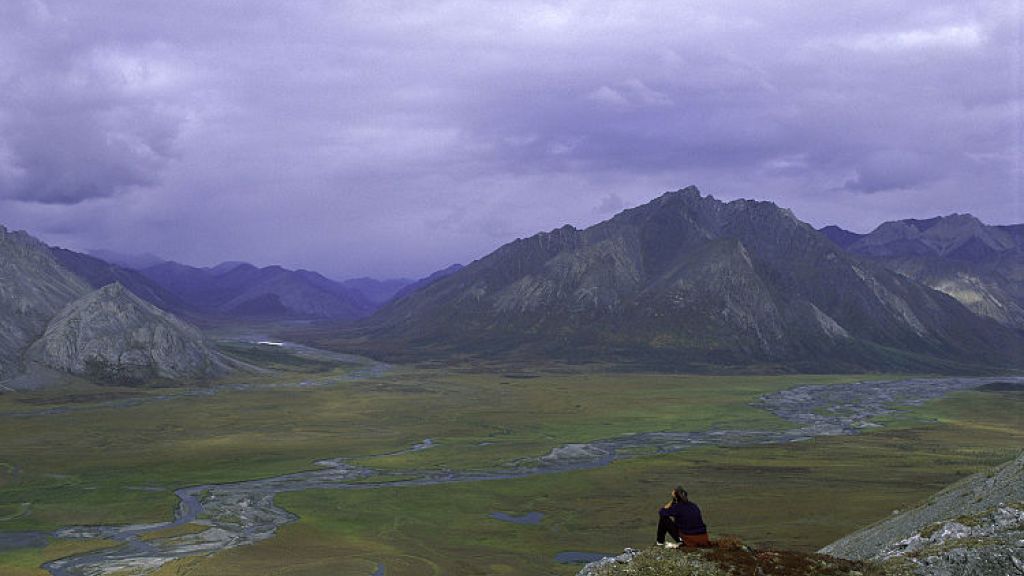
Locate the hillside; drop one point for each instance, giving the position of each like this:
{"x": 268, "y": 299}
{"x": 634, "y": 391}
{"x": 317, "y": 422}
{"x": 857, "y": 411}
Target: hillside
{"x": 99, "y": 273}
{"x": 33, "y": 288}
{"x": 112, "y": 336}
{"x": 981, "y": 266}
{"x": 686, "y": 282}
{"x": 974, "y": 527}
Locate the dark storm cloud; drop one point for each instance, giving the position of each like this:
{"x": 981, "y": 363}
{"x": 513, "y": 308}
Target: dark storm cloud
{"x": 78, "y": 120}
{"x": 395, "y": 138}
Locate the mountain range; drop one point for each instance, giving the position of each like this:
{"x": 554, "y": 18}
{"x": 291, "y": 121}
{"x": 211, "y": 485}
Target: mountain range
{"x": 241, "y": 290}
{"x": 687, "y": 282}
{"x": 981, "y": 266}
{"x": 684, "y": 282}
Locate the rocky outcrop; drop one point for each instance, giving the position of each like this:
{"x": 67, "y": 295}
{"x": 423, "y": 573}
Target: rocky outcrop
{"x": 730, "y": 558}
{"x": 33, "y": 287}
{"x": 972, "y": 528}
{"x": 112, "y": 336}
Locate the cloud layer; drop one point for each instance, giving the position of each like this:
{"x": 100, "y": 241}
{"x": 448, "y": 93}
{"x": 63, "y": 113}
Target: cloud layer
{"x": 389, "y": 138}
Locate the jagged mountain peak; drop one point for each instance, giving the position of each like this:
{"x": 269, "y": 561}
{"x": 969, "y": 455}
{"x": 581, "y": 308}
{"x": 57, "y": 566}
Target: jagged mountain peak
{"x": 687, "y": 278}
{"x": 21, "y": 238}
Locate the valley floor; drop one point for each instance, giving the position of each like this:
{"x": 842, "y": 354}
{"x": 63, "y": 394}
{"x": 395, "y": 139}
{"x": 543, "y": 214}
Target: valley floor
{"x": 109, "y": 456}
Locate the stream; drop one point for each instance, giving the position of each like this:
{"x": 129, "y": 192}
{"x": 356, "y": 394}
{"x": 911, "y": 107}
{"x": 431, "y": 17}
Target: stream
{"x": 243, "y": 513}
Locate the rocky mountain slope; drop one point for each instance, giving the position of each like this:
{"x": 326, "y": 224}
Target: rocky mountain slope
{"x": 33, "y": 288}
{"x": 113, "y": 336}
{"x": 427, "y": 281}
{"x": 98, "y": 273}
{"x": 974, "y": 527}
{"x": 241, "y": 290}
{"x": 688, "y": 281}
{"x": 981, "y": 266}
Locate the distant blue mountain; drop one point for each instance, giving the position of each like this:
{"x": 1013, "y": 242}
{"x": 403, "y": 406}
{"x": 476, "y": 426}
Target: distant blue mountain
{"x": 131, "y": 261}
{"x": 378, "y": 291}
{"x": 99, "y": 273}
{"x": 980, "y": 265}
{"x": 239, "y": 289}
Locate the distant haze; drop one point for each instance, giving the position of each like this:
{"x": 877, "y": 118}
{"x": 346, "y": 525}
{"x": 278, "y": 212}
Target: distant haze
{"x": 394, "y": 138}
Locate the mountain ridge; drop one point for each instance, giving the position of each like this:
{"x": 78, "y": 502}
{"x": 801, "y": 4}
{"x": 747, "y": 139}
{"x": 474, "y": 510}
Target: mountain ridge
{"x": 689, "y": 280}
{"x": 240, "y": 289}
{"x": 33, "y": 288}
{"x": 982, "y": 266}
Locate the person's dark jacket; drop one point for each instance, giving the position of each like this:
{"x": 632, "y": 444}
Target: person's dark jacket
{"x": 686, "y": 516}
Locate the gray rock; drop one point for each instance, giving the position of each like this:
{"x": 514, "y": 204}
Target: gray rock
{"x": 974, "y": 527}
{"x": 33, "y": 287}
{"x": 593, "y": 567}
{"x": 111, "y": 334}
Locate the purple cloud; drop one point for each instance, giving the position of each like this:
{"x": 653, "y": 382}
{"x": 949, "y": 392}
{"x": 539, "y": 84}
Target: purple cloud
{"x": 393, "y": 139}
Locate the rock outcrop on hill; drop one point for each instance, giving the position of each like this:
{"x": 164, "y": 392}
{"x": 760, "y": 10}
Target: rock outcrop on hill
{"x": 972, "y": 528}
{"x": 112, "y": 336}
{"x": 982, "y": 266}
{"x": 687, "y": 281}
{"x": 33, "y": 287}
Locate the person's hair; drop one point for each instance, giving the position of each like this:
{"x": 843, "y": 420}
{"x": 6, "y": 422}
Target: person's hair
{"x": 680, "y": 495}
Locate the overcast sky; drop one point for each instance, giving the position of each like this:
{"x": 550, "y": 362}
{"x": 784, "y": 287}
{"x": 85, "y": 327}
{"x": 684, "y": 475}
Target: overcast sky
{"x": 395, "y": 138}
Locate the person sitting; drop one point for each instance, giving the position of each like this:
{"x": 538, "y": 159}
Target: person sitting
{"x": 681, "y": 519}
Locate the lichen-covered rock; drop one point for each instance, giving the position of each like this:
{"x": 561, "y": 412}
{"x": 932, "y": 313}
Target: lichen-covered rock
{"x": 731, "y": 559}
{"x": 974, "y": 527}
{"x": 975, "y": 545}
{"x": 112, "y": 336}
{"x": 33, "y": 287}
{"x": 598, "y": 566}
